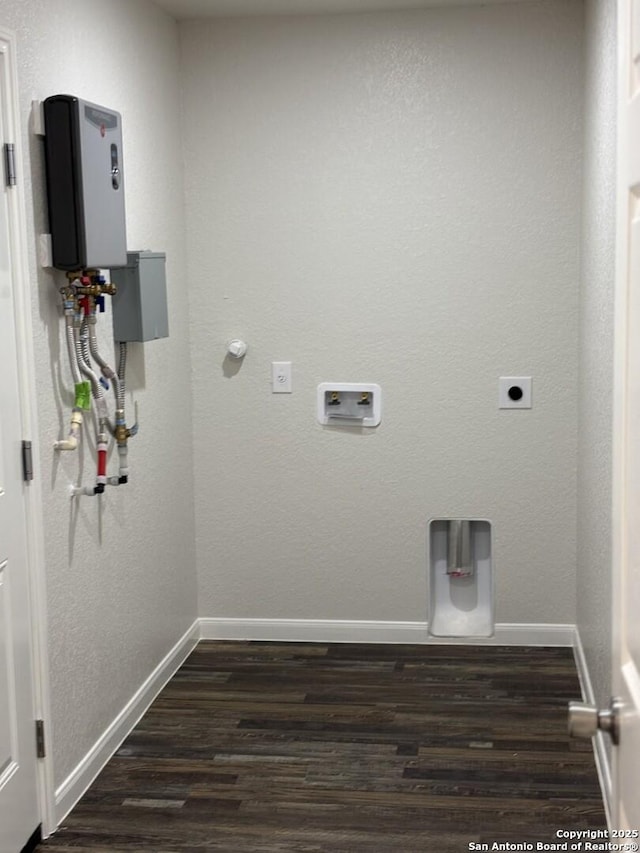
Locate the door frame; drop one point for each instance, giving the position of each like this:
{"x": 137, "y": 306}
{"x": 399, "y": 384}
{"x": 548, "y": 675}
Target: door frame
{"x": 619, "y": 374}
{"x": 24, "y": 284}
{"x": 629, "y": 716}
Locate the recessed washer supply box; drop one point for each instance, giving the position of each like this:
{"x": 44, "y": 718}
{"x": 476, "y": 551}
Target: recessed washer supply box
{"x": 355, "y": 404}
{"x": 140, "y": 304}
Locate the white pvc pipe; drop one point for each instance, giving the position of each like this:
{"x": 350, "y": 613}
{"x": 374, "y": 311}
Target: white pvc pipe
{"x": 123, "y": 468}
{"x": 73, "y": 439}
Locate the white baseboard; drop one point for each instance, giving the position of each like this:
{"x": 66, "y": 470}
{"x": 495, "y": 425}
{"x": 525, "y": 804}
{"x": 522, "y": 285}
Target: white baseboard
{"x": 77, "y": 782}
{"x": 344, "y": 631}
{"x": 313, "y": 630}
{"x": 603, "y": 764}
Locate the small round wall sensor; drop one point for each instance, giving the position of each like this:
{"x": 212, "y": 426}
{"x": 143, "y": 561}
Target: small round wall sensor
{"x": 236, "y": 348}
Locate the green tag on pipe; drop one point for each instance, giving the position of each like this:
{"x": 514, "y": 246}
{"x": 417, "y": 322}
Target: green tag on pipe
{"x": 83, "y": 396}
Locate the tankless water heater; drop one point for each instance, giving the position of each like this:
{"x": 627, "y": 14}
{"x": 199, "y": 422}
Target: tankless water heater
{"x": 83, "y": 152}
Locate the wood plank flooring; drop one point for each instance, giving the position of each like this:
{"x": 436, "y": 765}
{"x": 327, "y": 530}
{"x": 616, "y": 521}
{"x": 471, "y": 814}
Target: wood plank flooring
{"x": 263, "y": 747}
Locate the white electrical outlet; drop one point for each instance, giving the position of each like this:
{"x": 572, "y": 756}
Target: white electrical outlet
{"x": 281, "y": 377}
{"x": 514, "y": 392}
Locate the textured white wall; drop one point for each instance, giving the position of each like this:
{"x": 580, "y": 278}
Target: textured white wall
{"x": 120, "y": 572}
{"x": 390, "y": 198}
{"x": 596, "y": 345}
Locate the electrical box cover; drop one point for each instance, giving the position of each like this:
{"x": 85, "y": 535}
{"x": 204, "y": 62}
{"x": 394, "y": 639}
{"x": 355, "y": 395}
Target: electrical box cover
{"x": 140, "y": 304}
{"x": 85, "y": 186}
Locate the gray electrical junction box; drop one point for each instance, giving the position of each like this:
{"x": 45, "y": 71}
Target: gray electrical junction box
{"x": 140, "y": 304}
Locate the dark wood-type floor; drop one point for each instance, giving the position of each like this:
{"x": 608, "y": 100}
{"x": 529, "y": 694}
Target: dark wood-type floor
{"x": 340, "y": 748}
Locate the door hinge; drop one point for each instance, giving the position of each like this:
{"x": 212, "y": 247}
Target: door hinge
{"x": 10, "y": 164}
{"x": 40, "y": 749}
{"x": 27, "y": 461}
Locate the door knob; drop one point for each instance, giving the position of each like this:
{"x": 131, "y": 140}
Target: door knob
{"x": 585, "y": 720}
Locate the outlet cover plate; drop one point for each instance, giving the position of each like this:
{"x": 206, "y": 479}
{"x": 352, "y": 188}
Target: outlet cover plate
{"x": 515, "y": 392}
{"x": 281, "y": 377}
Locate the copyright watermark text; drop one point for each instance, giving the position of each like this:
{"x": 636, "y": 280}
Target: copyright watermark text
{"x": 581, "y": 840}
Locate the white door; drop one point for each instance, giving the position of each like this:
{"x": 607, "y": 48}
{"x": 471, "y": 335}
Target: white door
{"x": 626, "y": 498}
{"x": 19, "y": 811}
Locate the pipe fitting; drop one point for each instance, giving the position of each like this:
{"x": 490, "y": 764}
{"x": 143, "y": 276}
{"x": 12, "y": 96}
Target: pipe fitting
{"x": 88, "y": 491}
{"x": 122, "y": 433}
{"x": 70, "y": 443}
{"x": 89, "y": 290}
{"x": 86, "y": 289}
{"x": 73, "y": 439}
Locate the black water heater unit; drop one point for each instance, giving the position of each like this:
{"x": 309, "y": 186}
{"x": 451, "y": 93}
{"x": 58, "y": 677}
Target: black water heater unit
{"x": 83, "y": 153}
